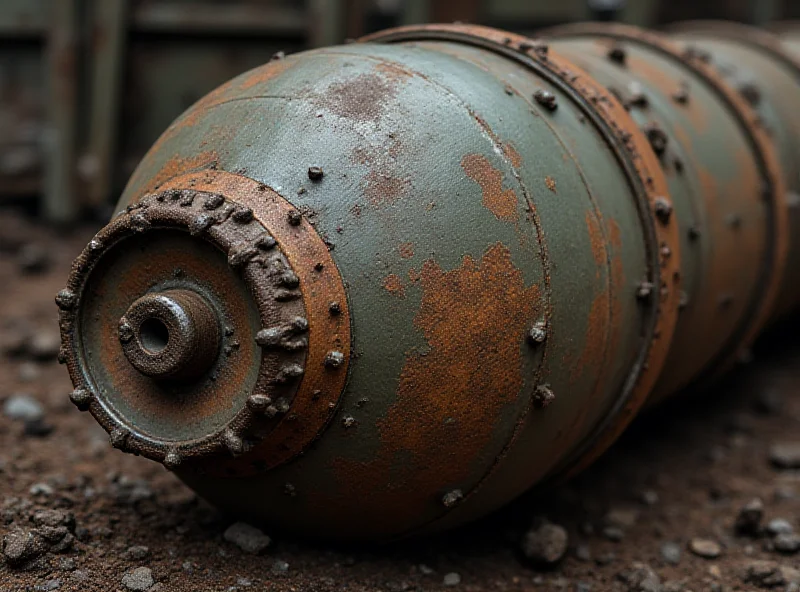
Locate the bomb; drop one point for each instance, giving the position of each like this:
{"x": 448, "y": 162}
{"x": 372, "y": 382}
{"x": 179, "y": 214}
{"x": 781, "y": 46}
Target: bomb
{"x": 379, "y": 290}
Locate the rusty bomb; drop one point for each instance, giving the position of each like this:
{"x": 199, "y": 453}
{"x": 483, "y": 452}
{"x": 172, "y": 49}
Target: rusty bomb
{"x": 379, "y": 290}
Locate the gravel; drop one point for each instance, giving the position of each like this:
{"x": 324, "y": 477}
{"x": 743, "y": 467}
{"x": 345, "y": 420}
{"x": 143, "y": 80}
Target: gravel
{"x": 671, "y": 553}
{"x": 705, "y": 548}
{"x": 545, "y": 544}
{"x": 22, "y": 546}
{"x": 640, "y": 578}
{"x": 785, "y": 455}
{"x": 787, "y": 543}
{"x": 136, "y": 553}
{"x": 248, "y": 538}
{"x": 451, "y": 579}
{"x": 778, "y": 526}
{"x": 23, "y": 408}
{"x": 138, "y": 580}
{"x": 748, "y": 522}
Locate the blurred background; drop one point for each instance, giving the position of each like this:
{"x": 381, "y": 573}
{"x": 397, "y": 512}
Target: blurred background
{"x": 86, "y": 86}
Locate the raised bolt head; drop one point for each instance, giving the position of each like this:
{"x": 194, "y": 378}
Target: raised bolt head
{"x": 546, "y": 99}
{"x": 315, "y": 173}
{"x": 543, "y": 396}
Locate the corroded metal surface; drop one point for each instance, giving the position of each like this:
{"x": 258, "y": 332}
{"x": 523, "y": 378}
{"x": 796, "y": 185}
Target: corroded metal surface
{"x": 767, "y": 75}
{"x": 726, "y": 186}
{"x": 472, "y": 278}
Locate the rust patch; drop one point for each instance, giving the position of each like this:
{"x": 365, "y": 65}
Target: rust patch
{"x": 449, "y": 397}
{"x": 503, "y": 204}
{"x": 363, "y": 98}
{"x": 178, "y": 165}
{"x": 394, "y": 285}
{"x": 551, "y": 183}
{"x": 596, "y": 239}
{"x": 406, "y": 250}
{"x": 383, "y": 188}
{"x": 512, "y": 155}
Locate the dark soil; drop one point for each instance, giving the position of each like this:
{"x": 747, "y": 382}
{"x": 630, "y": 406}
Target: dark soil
{"x": 673, "y": 487}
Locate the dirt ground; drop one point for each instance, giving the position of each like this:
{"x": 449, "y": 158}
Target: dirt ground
{"x": 638, "y": 520}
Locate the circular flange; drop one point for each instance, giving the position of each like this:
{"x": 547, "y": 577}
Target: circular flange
{"x": 647, "y": 181}
{"x": 238, "y": 302}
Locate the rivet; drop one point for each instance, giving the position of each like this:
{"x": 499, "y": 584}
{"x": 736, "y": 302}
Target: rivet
{"x": 538, "y": 333}
{"x": 663, "y": 209}
{"x": 233, "y": 442}
{"x": 81, "y": 398}
{"x": 295, "y": 218}
{"x": 658, "y": 139}
{"x": 683, "y": 302}
{"x": 334, "y": 359}
{"x": 118, "y": 438}
{"x": 187, "y": 198}
{"x": 644, "y": 290}
{"x": 315, "y": 173}
{"x": 451, "y": 498}
{"x": 125, "y": 331}
{"x": 240, "y": 255}
{"x": 66, "y": 299}
{"x": 258, "y": 403}
{"x": 172, "y": 459}
{"x": 289, "y": 279}
{"x": 139, "y": 223}
{"x": 200, "y": 224}
{"x": 665, "y": 251}
{"x": 299, "y": 324}
{"x": 289, "y": 372}
{"x": 681, "y": 96}
{"x": 95, "y": 245}
{"x": 694, "y": 232}
{"x": 278, "y": 55}
{"x": 243, "y": 215}
{"x": 543, "y": 396}
{"x": 212, "y": 202}
{"x": 282, "y": 295}
{"x": 637, "y": 98}
{"x": 265, "y": 242}
{"x": 348, "y": 421}
{"x": 750, "y": 93}
{"x": 546, "y": 99}
{"x": 62, "y": 355}
{"x": 617, "y": 54}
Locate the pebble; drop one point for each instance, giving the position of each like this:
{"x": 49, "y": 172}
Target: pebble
{"x": 778, "y": 526}
{"x": 67, "y": 564}
{"x": 785, "y": 455}
{"x": 787, "y": 543}
{"x": 748, "y": 521}
{"x": 280, "y": 567}
{"x": 28, "y": 372}
{"x": 248, "y": 538}
{"x": 139, "y": 579}
{"x": 21, "y": 546}
{"x": 671, "y": 553}
{"x": 545, "y": 544}
{"x": 451, "y": 579}
{"x": 621, "y": 517}
{"x": 764, "y": 574}
{"x": 583, "y": 552}
{"x": 613, "y": 533}
{"x": 640, "y": 578}
{"x": 47, "y": 585}
{"x": 44, "y": 345}
{"x": 33, "y": 258}
{"x": 41, "y": 489}
{"x": 23, "y": 408}
{"x": 583, "y": 587}
{"x": 649, "y": 497}
{"x": 705, "y": 548}
{"x": 136, "y": 553}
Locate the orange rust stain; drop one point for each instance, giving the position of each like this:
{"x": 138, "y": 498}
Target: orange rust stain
{"x": 413, "y": 276}
{"x": 551, "y": 183}
{"x": 383, "y": 188}
{"x": 363, "y": 98}
{"x": 265, "y": 73}
{"x": 394, "y": 285}
{"x": 596, "y": 239}
{"x": 473, "y": 319}
{"x": 178, "y": 165}
{"x": 406, "y": 250}
{"x": 513, "y": 156}
{"x": 503, "y": 204}
{"x": 394, "y": 72}
{"x": 593, "y": 352}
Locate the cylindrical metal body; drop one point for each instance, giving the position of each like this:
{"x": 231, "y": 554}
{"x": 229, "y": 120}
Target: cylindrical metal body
{"x": 721, "y": 174}
{"x": 445, "y": 264}
{"x": 767, "y": 75}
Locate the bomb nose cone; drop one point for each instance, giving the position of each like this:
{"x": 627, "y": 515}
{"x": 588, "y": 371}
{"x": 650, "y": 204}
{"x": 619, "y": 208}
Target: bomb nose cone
{"x": 172, "y": 334}
{"x": 196, "y": 328}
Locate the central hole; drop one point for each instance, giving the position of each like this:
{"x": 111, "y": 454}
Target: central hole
{"x": 153, "y": 335}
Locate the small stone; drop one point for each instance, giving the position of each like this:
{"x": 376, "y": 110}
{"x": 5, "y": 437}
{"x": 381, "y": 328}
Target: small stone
{"x": 44, "y": 345}
{"x": 705, "y": 548}
{"x": 425, "y": 570}
{"x": 136, "y": 553}
{"x": 649, "y": 497}
{"x": 621, "y": 517}
{"x": 748, "y": 522}
{"x": 23, "y": 408}
{"x": 47, "y": 585}
{"x": 451, "y": 579}
{"x": 54, "y": 518}
{"x": 671, "y": 553}
{"x": 41, "y": 489}
{"x": 67, "y": 564}
{"x": 546, "y": 544}
{"x": 787, "y": 543}
{"x": 38, "y": 428}
{"x": 583, "y": 552}
{"x": 33, "y": 258}
{"x": 778, "y": 526}
{"x": 613, "y": 533}
{"x": 20, "y": 546}
{"x": 785, "y": 455}
{"x": 583, "y": 587}
{"x": 280, "y": 567}
{"x": 29, "y": 372}
{"x": 764, "y": 574}
{"x": 139, "y": 579}
{"x": 640, "y": 578}
{"x": 79, "y": 575}
{"x": 248, "y": 538}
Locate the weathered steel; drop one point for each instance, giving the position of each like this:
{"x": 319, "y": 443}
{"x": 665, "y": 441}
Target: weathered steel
{"x": 445, "y": 264}
{"x": 725, "y": 183}
{"x": 755, "y": 63}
